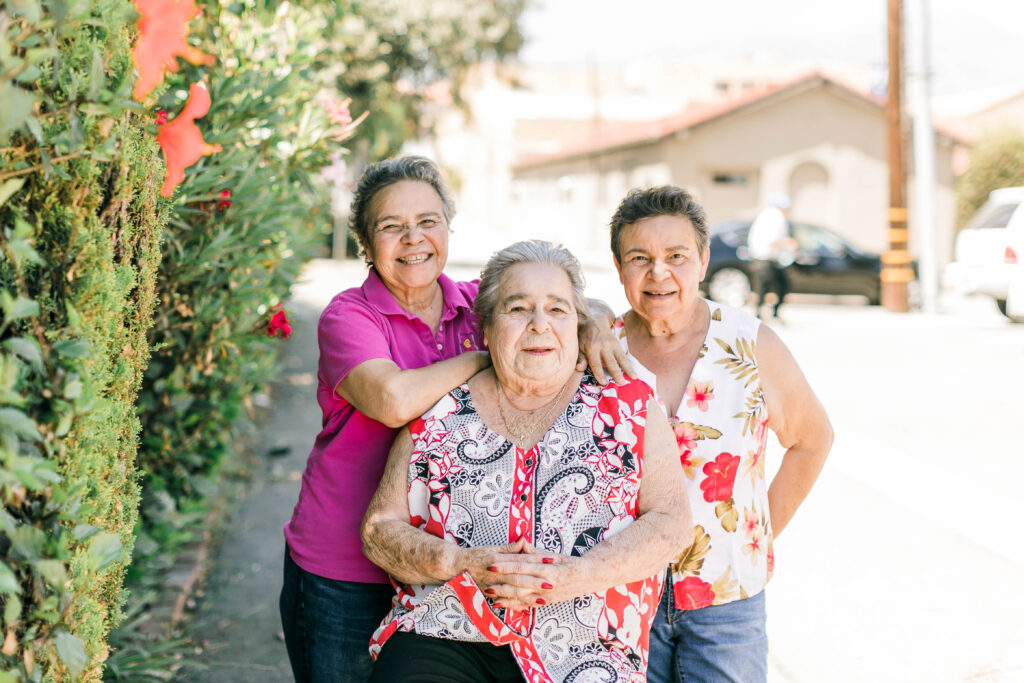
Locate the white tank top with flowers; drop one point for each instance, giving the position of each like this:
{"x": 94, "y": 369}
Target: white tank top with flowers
{"x": 720, "y": 427}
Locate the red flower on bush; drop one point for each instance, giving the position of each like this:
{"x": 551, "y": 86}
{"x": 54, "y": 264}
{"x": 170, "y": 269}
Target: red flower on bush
{"x": 161, "y": 117}
{"x": 721, "y": 475}
{"x": 181, "y": 141}
{"x": 163, "y": 33}
{"x": 279, "y": 325}
{"x": 225, "y": 201}
{"x": 692, "y": 593}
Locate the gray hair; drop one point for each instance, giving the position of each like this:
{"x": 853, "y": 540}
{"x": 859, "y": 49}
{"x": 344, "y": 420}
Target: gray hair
{"x": 388, "y": 172}
{"x": 528, "y": 251}
{"x": 666, "y": 200}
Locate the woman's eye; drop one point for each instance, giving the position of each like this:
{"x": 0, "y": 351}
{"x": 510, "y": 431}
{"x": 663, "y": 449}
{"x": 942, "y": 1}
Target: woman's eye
{"x": 677, "y": 258}
{"x": 428, "y": 224}
{"x": 639, "y": 260}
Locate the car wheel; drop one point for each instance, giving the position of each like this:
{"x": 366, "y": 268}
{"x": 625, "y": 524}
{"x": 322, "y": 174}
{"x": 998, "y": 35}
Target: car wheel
{"x": 1001, "y": 303}
{"x": 729, "y": 286}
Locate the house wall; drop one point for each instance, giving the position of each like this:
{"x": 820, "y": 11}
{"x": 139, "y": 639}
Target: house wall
{"x": 823, "y": 146}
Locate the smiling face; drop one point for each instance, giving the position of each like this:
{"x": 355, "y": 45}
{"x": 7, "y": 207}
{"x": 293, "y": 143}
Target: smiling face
{"x": 408, "y": 236}
{"x": 661, "y": 267}
{"x": 533, "y": 338}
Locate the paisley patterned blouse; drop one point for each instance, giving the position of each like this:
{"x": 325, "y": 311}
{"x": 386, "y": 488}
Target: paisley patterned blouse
{"x": 720, "y": 428}
{"x": 578, "y": 486}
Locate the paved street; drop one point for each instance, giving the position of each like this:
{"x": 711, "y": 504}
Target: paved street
{"x": 905, "y": 564}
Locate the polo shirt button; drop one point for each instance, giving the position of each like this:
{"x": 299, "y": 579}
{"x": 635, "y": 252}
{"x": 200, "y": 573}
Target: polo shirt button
{"x": 440, "y": 346}
{"x": 523, "y": 497}
{"x": 529, "y": 462}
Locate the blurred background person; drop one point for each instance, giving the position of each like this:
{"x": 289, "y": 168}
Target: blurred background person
{"x": 772, "y": 249}
{"x": 724, "y": 379}
{"x": 388, "y": 350}
{"x": 530, "y": 512}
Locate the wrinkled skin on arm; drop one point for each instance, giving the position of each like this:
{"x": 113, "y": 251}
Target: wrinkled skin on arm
{"x": 517, "y": 575}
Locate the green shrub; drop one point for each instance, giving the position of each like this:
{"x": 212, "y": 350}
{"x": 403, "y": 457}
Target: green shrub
{"x": 224, "y": 268}
{"x": 81, "y": 225}
{"x": 997, "y": 160}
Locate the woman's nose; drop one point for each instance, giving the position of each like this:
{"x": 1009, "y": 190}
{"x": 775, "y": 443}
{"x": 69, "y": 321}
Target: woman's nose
{"x": 657, "y": 270}
{"x": 539, "y": 321}
{"x": 412, "y": 234}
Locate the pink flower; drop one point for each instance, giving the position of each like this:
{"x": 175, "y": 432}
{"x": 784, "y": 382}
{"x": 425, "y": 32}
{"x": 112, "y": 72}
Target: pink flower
{"x": 693, "y": 593}
{"x": 181, "y": 141}
{"x": 750, "y": 523}
{"x": 721, "y": 475}
{"x": 686, "y": 437}
{"x": 279, "y": 325}
{"x": 225, "y": 201}
{"x": 698, "y": 394}
{"x": 163, "y": 33}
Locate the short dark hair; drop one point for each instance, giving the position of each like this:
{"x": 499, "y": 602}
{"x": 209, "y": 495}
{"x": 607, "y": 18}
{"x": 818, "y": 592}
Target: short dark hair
{"x": 664, "y": 200}
{"x": 388, "y": 172}
{"x": 527, "y": 251}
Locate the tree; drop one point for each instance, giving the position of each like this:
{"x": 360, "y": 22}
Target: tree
{"x": 996, "y": 161}
{"x": 386, "y": 54}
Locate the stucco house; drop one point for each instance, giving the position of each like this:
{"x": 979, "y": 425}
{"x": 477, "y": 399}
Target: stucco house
{"x": 813, "y": 138}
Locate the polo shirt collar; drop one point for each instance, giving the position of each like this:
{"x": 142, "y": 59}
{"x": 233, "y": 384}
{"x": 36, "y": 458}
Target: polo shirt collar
{"x": 377, "y": 293}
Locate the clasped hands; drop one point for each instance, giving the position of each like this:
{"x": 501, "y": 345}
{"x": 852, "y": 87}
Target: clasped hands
{"x": 518, "y": 576}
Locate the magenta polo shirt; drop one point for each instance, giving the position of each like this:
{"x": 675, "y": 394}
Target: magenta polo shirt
{"x": 347, "y": 460}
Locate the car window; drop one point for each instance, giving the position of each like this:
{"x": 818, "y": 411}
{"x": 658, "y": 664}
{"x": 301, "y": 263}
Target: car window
{"x": 992, "y": 215}
{"x": 813, "y": 239}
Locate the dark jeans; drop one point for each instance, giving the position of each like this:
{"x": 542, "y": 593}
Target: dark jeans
{"x": 412, "y": 658}
{"x": 328, "y": 624}
{"x": 769, "y": 276}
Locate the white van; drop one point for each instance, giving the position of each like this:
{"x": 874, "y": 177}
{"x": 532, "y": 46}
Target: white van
{"x": 989, "y": 253}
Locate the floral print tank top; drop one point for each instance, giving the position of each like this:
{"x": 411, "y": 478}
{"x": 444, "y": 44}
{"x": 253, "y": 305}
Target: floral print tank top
{"x": 579, "y": 485}
{"x": 720, "y": 427}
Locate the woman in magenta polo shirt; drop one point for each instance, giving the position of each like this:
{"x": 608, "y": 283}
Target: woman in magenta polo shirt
{"x": 389, "y": 350}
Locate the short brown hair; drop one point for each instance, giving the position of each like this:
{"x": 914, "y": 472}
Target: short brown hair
{"x": 388, "y": 172}
{"x": 665, "y": 200}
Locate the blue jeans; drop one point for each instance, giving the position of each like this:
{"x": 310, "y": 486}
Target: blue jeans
{"x": 716, "y": 644}
{"x": 328, "y": 624}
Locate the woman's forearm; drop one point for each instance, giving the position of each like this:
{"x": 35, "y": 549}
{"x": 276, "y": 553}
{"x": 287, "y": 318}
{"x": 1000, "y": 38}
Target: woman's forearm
{"x": 388, "y": 394}
{"x": 407, "y": 553}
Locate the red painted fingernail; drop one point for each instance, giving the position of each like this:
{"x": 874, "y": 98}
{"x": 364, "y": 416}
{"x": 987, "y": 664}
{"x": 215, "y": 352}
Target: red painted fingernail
{"x": 499, "y": 605}
{"x": 546, "y": 585}
{"x": 489, "y": 591}
{"x": 548, "y": 560}
{"x": 492, "y": 569}
{"x": 541, "y": 601}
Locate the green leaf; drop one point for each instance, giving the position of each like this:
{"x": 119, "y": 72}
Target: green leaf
{"x": 12, "y": 610}
{"x": 94, "y": 109}
{"x": 53, "y": 572}
{"x": 15, "y": 309}
{"x": 104, "y": 548}
{"x": 19, "y": 423}
{"x": 9, "y": 188}
{"x": 72, "y": 348}
{"x": 73, "y": 389}
{"x": 8, "y": 581}
{"x": 71, "y": 651}
{"x": 27, "y": 349}
{"x": 16, "y": 110}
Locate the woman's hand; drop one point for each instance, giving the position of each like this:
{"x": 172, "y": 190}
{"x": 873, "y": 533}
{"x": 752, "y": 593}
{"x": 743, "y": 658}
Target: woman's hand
{"x": 533, "y": 578}
{"x": 600, "y": 347}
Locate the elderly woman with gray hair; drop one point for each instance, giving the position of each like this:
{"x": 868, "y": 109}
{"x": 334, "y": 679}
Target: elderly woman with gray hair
{"x": 529, "y": 514}
{"x": 389, "y": 349}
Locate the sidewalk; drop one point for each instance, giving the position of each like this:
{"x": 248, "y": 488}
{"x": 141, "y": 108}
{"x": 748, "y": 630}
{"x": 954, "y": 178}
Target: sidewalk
{"x": 905, "y": 563}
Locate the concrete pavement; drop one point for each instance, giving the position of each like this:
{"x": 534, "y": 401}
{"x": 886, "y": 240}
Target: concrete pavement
{"x": 905, "y": 564}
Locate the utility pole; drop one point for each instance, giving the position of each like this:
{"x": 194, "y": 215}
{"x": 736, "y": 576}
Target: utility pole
{"x": 896, "y": 270}
{"x": 924, "y": 155}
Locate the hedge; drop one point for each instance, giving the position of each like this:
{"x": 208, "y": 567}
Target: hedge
{"x": 81, "y": 226}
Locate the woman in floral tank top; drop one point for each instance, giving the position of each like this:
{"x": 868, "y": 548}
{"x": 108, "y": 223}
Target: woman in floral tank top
{"x": 528, "y": 515}
{"x": 724, "y": 380}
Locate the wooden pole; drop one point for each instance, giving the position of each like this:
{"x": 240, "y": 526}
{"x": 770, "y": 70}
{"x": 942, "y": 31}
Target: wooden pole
{"x": 896, "y": 268}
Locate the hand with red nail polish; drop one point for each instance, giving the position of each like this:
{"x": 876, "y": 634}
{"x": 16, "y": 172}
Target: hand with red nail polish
{"x": 546, "y": 586}
{"x": 541, "y": 601}
{"x": 548, "y": 560}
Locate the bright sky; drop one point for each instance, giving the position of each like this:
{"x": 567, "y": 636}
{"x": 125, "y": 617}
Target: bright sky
{"x": 976, "y": 44}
